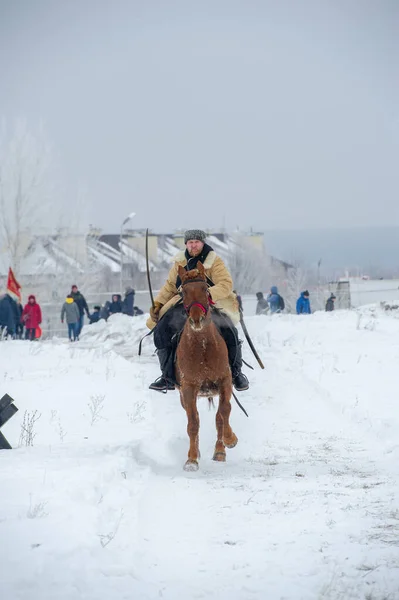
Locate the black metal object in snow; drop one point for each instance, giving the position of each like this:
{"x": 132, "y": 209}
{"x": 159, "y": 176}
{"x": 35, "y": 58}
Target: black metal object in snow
{"x": 7, "y": 410}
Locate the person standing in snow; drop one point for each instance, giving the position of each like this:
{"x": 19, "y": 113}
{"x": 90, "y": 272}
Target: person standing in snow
{"x": 262, "y": 307}
{"x": 115, "y": 305}
{"x": 70, "y": 310}
{"x": 303, "y": 304}
{"x": 82, "y": 306}
{"x": 275, "y": 301}
{"x": 128, "y": 302}
{"x": 31, "y": 318}
{"x": 330, "y": 303}
{"x": 9, "y": 316}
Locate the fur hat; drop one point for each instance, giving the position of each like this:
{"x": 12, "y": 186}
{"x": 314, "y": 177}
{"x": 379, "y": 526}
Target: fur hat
{"x": 194, "y": 234}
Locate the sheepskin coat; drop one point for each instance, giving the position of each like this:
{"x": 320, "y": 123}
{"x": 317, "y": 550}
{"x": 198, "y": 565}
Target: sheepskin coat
{"x": 221, "y": 292}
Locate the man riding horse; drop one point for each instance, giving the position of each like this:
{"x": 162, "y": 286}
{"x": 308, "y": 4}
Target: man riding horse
{"x": 169, "y": 315}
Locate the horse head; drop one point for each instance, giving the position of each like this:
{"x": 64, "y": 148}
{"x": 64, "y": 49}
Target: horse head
{"x": 196, "y": 299}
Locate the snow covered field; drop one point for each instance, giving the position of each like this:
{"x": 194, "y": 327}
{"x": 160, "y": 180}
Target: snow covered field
{"x": 306, "y": 506}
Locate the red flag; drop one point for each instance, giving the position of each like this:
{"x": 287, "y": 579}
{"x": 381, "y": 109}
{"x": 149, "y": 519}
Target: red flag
{"x": 13, "y": 286}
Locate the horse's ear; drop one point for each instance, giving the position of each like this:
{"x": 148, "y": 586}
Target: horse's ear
{"x": 182, "y": 271}
{"x": 201, "y": 269}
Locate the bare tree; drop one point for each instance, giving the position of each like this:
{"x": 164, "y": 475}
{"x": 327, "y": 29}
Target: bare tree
{"x": 24, "y": 169}
{"x": 249, "y": 266}
{"x": 68, "y": 246}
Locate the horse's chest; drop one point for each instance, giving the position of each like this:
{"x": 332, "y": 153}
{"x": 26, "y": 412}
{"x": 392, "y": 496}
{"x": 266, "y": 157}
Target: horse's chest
{"x": 201, "y": 353}
{"x": 205, "y": 362}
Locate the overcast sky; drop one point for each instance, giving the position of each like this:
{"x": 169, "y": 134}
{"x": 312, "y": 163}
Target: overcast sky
{"x": 263, "y": 114}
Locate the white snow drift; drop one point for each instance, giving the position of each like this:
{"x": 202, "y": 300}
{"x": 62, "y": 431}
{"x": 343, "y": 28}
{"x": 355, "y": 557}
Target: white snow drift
{"x": 306, "y": 506}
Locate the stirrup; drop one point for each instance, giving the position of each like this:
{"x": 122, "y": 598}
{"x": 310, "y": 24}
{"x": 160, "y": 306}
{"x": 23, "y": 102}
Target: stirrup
{"x": 161, "y": 385}
{"x": 241, "y": 382}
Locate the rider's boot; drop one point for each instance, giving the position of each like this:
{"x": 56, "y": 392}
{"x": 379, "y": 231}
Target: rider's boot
{"x": 161, "y": 384}
{"x": 240, "y": 381}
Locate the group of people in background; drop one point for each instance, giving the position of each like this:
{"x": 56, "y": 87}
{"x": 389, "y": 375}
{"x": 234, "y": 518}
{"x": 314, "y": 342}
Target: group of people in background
{"x": 17, "y": 322}
{"x": 73, "y": 310}
{"x": 75, "y": 306}
{"x": 117, "y": 305}
{"x": 274, "y": 303}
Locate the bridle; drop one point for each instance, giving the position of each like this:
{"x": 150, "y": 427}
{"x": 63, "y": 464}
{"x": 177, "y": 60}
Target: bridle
{"x": 188, "y": 307}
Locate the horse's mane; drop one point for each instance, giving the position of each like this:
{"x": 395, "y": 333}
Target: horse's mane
{"x": 193, "y": 274}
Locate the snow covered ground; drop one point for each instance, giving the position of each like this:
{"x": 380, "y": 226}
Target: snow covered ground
{"x": 306, "y": 506}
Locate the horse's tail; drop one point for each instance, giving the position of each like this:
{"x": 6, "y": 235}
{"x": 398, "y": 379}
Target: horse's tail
{"x": 211, "y": 402}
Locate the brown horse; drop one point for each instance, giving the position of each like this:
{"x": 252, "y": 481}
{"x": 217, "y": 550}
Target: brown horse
{"x": 202, "y": 366}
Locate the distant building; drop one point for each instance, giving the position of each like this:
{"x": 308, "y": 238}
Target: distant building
{"x": 50, "y": 263}
{"x": 358, "y": 291}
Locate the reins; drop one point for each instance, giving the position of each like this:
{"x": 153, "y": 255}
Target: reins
{"x": 180, "y": 301}
{"x": 239, "y": 403}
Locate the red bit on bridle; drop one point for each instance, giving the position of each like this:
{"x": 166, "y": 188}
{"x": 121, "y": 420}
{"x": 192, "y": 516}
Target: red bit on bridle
{"x": 201, "y": 306}
{"x": 187, "y": 307}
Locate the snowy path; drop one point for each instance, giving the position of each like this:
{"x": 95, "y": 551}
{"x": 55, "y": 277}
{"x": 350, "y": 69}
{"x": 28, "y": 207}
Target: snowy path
{"x": 306, "y": 506}
{"x": 297, "y": 506}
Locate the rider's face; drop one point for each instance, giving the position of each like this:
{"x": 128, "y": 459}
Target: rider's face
{"x": 194, "y": 247}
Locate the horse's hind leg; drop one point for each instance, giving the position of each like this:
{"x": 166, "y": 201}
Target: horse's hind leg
{"x": 189, "y": 401}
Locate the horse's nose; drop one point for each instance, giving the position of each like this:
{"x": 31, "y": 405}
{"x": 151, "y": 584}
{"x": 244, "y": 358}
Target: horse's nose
{"x": 196, "y": 325}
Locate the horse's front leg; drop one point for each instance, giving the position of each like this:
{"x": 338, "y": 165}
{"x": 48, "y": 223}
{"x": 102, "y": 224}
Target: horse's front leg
{"x": 225, "y": 434}
{"x": 182, "y": 403}
{"x": 189, "y": 396}
{"x": 220, "y": 451}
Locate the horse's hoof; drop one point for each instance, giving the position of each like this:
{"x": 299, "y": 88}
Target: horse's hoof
{"x": 232, "y": 443}
{"x": 220, "y": 456}
{"x": 191, "y": 465}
